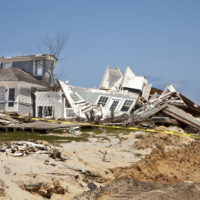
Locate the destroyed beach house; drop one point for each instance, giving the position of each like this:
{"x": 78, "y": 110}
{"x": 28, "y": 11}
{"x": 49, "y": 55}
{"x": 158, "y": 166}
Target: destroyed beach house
{"x": 132, "y": 95}
{"x": 117, "y": 94}
{"x": 25, "y": 89}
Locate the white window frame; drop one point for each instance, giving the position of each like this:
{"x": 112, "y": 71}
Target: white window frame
{"x": 129, "y": 107}
{"x": 106, "y": 101}
{"x": 111, "y": 101}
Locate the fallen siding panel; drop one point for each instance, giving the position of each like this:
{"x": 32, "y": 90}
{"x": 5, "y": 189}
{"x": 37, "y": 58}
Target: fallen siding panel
{"x": 148, "y": 113}
{"x": 181, "y": 116}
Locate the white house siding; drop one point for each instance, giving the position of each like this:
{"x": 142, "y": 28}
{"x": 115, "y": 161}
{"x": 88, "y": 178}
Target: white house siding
{"x": 4, "y": 92}
{"x": 25, "y": 109}
{"x": 2, "y": 106}
{"x": 25, "y": 95}
{"x": 23, "y": 101}
{"x": 69, "y": 113}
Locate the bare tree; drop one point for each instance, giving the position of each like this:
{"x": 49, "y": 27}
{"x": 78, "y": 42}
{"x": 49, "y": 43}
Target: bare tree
{"x": 53, "y": 46}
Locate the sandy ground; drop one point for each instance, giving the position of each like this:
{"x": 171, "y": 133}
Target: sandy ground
{"x": 100, "y": 161}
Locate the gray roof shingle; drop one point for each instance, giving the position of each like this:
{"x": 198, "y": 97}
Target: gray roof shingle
{"x": 16, "y": 74}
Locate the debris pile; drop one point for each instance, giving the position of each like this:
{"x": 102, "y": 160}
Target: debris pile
{"x": 166, "y": 109}
{"x": 25, "y": 148}
{"x": 7, "y": 120}
{"x": 129, "y": 100}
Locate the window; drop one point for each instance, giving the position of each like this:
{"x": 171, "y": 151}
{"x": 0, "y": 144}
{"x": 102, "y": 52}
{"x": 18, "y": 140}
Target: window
{"x": 11, "y": 95}
{"x": 10, "y": 104}
{"x": 7, "y": 64}
{"x": 38, "y": 68}
{"x": 126, "y": 106}
{"x": 114, "y": 105}
{"x": 102, "y": 101}
{"x": 48, "y": 111}
{"x": 45, "y": 111}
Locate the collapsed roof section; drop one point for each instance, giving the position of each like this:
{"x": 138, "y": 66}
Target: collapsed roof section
{"x": 131, "y": 81}
{"x": 113, "y": 79}
{"x": 102, "y": 102}
{"x": 167, "y": 108}
{"x": 191, "y": 107}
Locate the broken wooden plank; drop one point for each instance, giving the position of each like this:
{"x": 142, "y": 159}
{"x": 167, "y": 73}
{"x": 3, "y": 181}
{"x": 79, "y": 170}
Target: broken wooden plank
{"x": 181, "y": 116}
{"x": 148, "y": 113}
{"x": 164, "y": 120}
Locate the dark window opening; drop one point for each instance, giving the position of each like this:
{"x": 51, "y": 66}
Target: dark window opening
{"x": 45, "y": 111}
{"x": 39, "y": 111}
{"x": 11, "y": 95}
{"x": 10, "y": 104}
{"x": 114, "y": 105}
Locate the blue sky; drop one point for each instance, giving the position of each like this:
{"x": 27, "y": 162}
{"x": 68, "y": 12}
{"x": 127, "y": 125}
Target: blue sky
{"x": 159, "y": 39}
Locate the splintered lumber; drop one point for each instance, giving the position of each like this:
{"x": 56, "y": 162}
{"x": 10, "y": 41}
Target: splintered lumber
{"x": 148, "y": 113}
{"x": 181, "y": 116}
{"x": 5, "y": 120}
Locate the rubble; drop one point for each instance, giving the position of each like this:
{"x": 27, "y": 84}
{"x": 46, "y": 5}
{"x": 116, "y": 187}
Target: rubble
{"x": 147, "y": 107}
{"x": 24, "y": 148}
{"x": 165, "y": 109}
{"x": 122, "y": 99}
{"x": 7, "y": 120}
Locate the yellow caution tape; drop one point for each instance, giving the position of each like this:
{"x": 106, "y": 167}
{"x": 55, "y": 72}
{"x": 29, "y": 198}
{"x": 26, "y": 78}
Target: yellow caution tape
{"x": 117, "y": 127}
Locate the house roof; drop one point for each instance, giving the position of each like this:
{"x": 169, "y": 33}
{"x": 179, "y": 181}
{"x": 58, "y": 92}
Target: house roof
{"x": 16, "y": 74}
{"x": 112, "y": 78}
{"x": 28, "y": 57}
{"x": 92, "y": 94}
{"x": 130, "y": 80}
